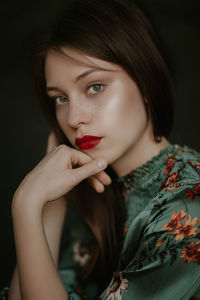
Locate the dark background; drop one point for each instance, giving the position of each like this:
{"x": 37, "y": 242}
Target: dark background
{"x": 23, "y": 129}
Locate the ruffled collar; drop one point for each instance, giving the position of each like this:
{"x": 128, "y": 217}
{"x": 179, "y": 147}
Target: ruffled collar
{"x": 139, "y": 176}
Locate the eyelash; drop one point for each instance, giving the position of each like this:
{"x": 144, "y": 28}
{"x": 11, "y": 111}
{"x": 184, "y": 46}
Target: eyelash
{"x": 87, "y": 89}
{"x": 93, "y": 84}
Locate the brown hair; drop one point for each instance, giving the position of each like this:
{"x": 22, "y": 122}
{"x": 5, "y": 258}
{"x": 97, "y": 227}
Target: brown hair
{"x": 118, "y": 32}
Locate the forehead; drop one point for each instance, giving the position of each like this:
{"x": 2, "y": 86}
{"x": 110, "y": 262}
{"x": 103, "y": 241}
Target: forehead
{"x": 75, "y": 58}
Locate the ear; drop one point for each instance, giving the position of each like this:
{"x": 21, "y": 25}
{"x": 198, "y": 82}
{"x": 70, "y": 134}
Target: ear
{"x": 146, "y": 101}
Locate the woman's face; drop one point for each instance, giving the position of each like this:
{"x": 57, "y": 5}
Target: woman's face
{"x": 98, "y": 98}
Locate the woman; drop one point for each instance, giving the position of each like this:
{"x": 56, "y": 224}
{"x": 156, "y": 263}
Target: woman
{"x": 132, "y": 220}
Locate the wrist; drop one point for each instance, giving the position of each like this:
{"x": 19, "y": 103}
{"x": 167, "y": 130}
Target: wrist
{"x": 21, "y": 205}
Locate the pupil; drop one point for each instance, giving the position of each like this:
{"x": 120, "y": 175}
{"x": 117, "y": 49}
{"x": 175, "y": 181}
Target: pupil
{"x": 62, "y": 99}
{"x": 97, "y": 87}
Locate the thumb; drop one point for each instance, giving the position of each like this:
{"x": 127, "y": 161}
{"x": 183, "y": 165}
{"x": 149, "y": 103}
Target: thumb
{"x": 89, "y": 169}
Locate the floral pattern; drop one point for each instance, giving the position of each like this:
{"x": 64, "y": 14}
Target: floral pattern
{"x": 174, "y": 223}
{"x": 165, "y": 232}
{"x": 81, "y": 255}
{"x": 169, "y": 181}
{"x": 170, "y": 162}
{"x": 181, "y": 230}
{"x": 192, "y": 252}
{"x": 192, "y": 193}
{"x": 197, "y": 166}
{"x": 116, "y": 287}
{"x": 186, "y": 229}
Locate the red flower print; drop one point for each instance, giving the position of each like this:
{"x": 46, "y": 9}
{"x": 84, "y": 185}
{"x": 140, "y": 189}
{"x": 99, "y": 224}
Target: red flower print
{"x": 81, "y": 254}
{"x": 117, "y": 285}
{"x": 175, "y": 218}
{"x": 181, "y": 150}
{"x": 192, "y": 252}
{"x": 170, "y": 180}
{"x": 194, "y": 165}
{"x": 169, "y": 164}
{"x": 160, "y": 243}
{"x": 192, "y": 193}
{"x": 186, "y": 229}
{"x": 173, "y": 186}
{"x": 197, "y": 189}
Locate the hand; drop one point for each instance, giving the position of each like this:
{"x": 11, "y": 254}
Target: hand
{"x": 97, "y": 181}
{"x": 57, "y": 173}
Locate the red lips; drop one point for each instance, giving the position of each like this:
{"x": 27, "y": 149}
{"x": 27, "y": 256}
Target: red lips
{"x": 87, "y": 141}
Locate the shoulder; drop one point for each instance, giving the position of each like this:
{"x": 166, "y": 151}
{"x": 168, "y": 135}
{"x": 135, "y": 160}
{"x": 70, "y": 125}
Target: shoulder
{"x": 173, "y": 223}
{"x": 179, "y": 193}
{"x": 182, "y": 171}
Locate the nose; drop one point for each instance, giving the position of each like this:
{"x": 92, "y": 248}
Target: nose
{"x": 79, "y": 112}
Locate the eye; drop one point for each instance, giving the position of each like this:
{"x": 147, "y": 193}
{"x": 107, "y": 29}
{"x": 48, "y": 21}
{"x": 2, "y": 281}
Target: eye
{"x": 95, "y": 88}
{"x": 60, "y": 100}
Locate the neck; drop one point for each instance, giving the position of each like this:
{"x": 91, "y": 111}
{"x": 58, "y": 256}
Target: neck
{"x": 139, "y": 153}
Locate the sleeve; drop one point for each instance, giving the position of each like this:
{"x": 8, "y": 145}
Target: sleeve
{"x": 166, "y": 264}
{"x": 74, "y": 256}
{"x": 67, "y": 271}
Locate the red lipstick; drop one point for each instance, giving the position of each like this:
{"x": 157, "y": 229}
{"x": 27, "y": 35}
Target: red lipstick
{"x": 87, "y": 141}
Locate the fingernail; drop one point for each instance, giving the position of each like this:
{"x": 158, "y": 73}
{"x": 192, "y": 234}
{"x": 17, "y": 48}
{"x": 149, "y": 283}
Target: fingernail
{"x": 101, "y": 162}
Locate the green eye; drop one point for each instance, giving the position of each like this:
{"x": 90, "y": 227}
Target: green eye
{"x": 60, "y": 99}
{"x": 95, "y": 88}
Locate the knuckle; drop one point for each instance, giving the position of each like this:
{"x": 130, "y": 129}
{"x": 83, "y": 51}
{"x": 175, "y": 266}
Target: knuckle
{"x": 63, "y": 147}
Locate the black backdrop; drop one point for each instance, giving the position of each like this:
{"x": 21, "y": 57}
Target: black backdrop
{"x": 23, "y": 129}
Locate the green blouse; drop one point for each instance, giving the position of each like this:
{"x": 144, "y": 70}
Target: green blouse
{"x": 160, "y": 258}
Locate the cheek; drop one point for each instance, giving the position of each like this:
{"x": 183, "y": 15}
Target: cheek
{"x": 61, "y": 116}
{"x": 124, "y": 113}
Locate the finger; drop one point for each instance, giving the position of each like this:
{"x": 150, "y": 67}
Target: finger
{"x": 96, "y": 184}
{"x": 99, "y": 187}
{"x": 79, "y": 158}
{"x": 82, "y": 158}
{"x": 89, "y": 169}
{"x": 101, "y": 177}
{"x": 104, "y": 178}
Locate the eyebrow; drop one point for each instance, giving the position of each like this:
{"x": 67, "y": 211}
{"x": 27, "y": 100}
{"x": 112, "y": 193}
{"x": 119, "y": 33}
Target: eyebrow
{"x": 79, "y": 77}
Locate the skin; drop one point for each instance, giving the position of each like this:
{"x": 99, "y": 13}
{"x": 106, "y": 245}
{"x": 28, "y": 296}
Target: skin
{"x": 114, "y": 110}
{"x": 34, "y": 232}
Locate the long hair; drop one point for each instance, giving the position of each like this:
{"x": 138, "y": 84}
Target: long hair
{"x": 115, "y": 31}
